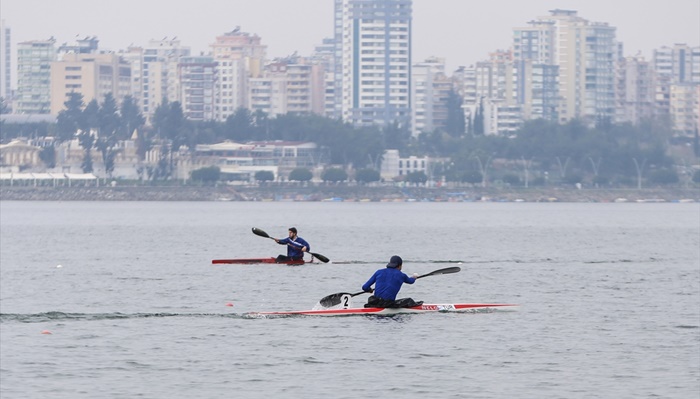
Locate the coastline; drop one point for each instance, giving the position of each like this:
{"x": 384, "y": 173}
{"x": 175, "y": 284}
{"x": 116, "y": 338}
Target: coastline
{"x": 323, "y": 193}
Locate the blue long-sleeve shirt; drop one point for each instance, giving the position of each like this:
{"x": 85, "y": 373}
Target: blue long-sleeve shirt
{"x": 388, "y": 282}
{"x": 294, "y": 246}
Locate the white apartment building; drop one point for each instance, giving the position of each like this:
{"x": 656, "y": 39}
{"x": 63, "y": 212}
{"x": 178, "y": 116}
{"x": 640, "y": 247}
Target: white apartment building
{"x": 289, "y": 85}
{"x": 34, "y": 60}
{"x": 430, "y": 92}
{"x": 393, "y": 166}
{"x": 197, "y": 78}
{"x": 5, "y": 61}
{"x": 537, "y": 76}
{"x": 677, "y": 71}
{"x": 239, "y": 57}
{"x": 324, "y": 55}
{"x": 585, "y": 53}
{"x": 155, "y": 73}
{"x": 373, "y": 64}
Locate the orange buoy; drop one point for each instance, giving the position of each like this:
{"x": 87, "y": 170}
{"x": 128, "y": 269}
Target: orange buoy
{"x": 46, "y": 332}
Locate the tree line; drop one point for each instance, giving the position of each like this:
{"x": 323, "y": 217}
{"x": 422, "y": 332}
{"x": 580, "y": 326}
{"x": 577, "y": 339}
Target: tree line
{"x": 540, "y": 151}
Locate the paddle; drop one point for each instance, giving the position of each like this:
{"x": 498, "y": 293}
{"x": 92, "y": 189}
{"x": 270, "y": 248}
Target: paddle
{"x": 261, "y": 233}
{"x": 335, "y": 299}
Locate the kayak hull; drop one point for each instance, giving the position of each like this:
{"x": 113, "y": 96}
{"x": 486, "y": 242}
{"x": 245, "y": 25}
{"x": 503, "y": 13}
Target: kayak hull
{"x": 425, "y": 308}
{"x": 252, "y": 261}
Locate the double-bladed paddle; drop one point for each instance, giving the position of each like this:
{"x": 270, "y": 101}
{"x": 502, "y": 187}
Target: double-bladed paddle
{"x": 262, "y": 233}
{"x": 335, "y": 299}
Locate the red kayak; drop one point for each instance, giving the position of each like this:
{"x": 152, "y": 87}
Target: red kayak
{"x": 253, "y": 261}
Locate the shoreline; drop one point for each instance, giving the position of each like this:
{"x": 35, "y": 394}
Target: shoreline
{"x": 345, "y": 194}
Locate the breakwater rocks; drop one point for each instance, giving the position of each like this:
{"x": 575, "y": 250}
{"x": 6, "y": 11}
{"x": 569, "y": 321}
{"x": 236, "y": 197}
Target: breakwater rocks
{"x": 344, "y": 193}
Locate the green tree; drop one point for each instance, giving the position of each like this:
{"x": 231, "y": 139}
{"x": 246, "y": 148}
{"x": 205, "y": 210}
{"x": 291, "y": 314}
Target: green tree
{"x": 663, "y": 176}
{"x": 206, "y": 175}
{"x": 130, "y": 119}
{"x": 334, "y": 175}
{"x": 86, "y": 137}
{"x": 264, "y": 176}
{"x": 455, "y": 125}
{"x": 300, "y": 174}
{"x": 71, "y": 118}
{"x": 367, "y": 175}
{"x": 417, "y": 177}
{"x": 108, "y": 132}
{"x": 239, "y": 126}
{"x": 48, "y": 156}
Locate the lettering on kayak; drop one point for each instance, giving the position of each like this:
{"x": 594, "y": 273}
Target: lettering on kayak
{"x": 440, "y": 308}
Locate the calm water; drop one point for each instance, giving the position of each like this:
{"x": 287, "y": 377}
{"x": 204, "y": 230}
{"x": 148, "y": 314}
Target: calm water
{"x": 609, "y": 295}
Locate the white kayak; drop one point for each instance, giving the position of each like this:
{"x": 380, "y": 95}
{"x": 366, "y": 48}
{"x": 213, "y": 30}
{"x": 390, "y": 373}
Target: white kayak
{"x": 424, "y": 308}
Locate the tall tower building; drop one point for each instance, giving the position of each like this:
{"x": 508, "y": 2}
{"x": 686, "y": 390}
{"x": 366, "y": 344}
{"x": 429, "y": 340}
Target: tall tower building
{"x": 154, "y": 72}
{"x": 585, "y": 53}
{"x": 324, "y": 55}
{"x": 240, "y": 57}
{"x": 5, "y": 61}
{"x": 430, "y": 90}
{"x": 197, "y": 77}
{"x": 537, "y": 75}
{"x": 34, "y": 60}
{"x": 373, "y": 61}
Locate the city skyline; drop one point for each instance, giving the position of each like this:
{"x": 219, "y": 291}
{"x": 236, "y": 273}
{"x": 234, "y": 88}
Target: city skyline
{"x": 435, "y": 23}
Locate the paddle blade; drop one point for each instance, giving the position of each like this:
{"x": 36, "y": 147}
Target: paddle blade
{"x": 260, "y": 233}
{"x": 320, "y": 257}
{"x": 447, "y": 270}
{"x": 332, "y": 300}
{"x": 336, "y": 299}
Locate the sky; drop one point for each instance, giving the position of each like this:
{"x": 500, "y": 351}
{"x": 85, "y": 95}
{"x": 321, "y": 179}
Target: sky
{"x": 460, "y": 31}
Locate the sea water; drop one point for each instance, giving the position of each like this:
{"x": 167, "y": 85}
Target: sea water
{"x": 120, "y": 300}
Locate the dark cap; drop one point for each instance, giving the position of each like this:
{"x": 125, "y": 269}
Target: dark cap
{"x": 395, "y": 261}
{"x": 293, "y": 230}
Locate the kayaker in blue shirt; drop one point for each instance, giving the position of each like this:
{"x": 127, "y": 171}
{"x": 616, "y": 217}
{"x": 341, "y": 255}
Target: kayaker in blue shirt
{"x": 296, "y": 246}
{"x": 388, "y": 282}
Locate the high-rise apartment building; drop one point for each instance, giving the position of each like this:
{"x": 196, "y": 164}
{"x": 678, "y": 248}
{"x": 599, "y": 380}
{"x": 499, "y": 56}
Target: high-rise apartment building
{"x": 154, "y": 73}
{"x": 585, "y": 53}
{"x": 34, "y": 60}
{"x": 676, "y": 82}
{"x": 373, "y": 61}
{"x": 537, "y": 75}
{"x": 93, "y": 75}
{"x": 634, "y": 90}
{"x": 430, "y": 89}
{"x": 239, "y": 57}
{"x": 681, "y": 63}
{"x": 197, "y": 77}
{"x": 5, "y": 61}
{"x": 324, "y": 55}
{"x": 291, "y": 85}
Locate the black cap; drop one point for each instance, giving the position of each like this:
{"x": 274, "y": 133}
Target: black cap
{"x": 293, "y": 230}
{"x": 395, "y": 261}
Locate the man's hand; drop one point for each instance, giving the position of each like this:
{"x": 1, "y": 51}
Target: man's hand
{"x": 415, "y": 275}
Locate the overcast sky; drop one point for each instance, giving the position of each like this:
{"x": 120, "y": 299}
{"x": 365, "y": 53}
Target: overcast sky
{"x": 461, "y": 31}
